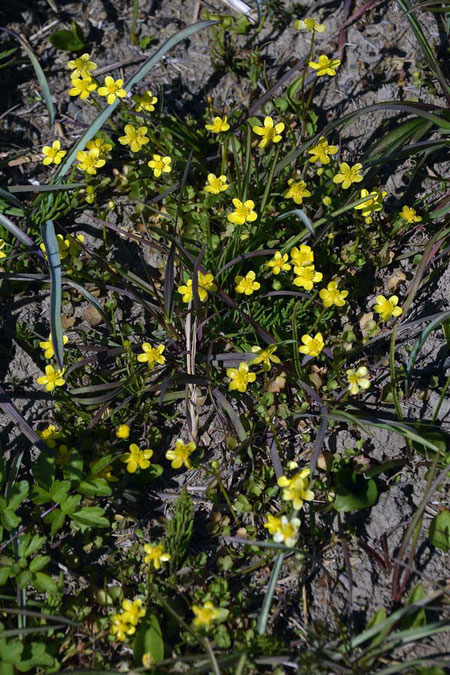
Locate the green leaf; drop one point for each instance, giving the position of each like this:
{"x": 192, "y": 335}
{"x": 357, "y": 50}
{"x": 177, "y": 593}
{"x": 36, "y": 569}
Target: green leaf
{"x": 353, "y": 491}
{"x": 44, "y": 584}
{"x": 378, "y": 617}
{"x": 417, "y": 618}
{"x": 17, "y": 494}
{"x": 70, "y": 504}
{"x": 44, "y": 469}
{"x": 91, "y": 516}
{"x": 439, "y": 531}
{"x": 40, "y": 496}
{"x": 9, "y": 519}
{"x": 100, "y": 464}
{"x": 56, "y": 518}
{"x": 68, "y": 40}
{"x": 33, "y": 545}
{"x": 10, "y": 651}
{"x": 59, "y": 490}
{"x": 39, "y": 562}
{"x": 148, "y": 639}
{"x": 34, "y": 655}
{"x": 73, "y": 468}
{"x": 54, "y": 267}
{"x": 23, "y": 579}
{"x": 94, "y": 487}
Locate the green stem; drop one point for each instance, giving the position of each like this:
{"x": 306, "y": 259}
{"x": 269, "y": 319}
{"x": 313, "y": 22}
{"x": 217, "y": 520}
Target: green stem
{"x": 223, "y": 166}
{"x": 269, "y": 182}
{"x": 247, "y": 166}
{"x": 264, "y": 614}
{"x": 393, "y": 379}
{"x": 305, "y": 69}
{"x": 441, "y": 399}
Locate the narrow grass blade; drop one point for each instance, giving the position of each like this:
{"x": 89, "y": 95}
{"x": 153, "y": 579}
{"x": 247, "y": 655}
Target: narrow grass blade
{"x": 17, "y": 232}
{"x": 54, "y": 266}
{"x": 90, "y": 298}
{"x": 17, "y": 418}
{"x": 6, "y": 194}
{"x": 300, "y": 214}
{"x": 45, "y": 188}
{"x": 445, "y": 316}
{"x": 232, "y": 414}
{"x": 264, "y": 615}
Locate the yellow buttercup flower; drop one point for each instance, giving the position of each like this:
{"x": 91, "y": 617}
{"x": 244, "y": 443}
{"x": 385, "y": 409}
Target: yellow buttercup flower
{"x": 279, "y": 263}
{"x": 155, "y": 554}
{"x": 218, "y": 125}
{"x": 371, "y": 205}
{"x": 90, "y": 161}
{"x": 48, "y": 346}
{"x": 243, "y": 212}
{"x": 49, "y": 435}
{"x": 53, "y": 154}
{"x": 358, "y": 379}
{"x": 297, "y": 191}
{"x": 312, "y": 346}
{"x": 120, "y": 628}
{"x": 331, "y": 295}
{"x": 2, "y": 246}
{"x": 205, "y": 615}
{"x": 82, "y": 87}
{"x": 100, "y": 144}
{"x": 160, "y": 165}
{"x": 306, "y": 277}
{"x": 151, "y": 355}
{"x": 272, "y": 524}
{"x": 387, "y": 307}
{"x": 205, "y": 284}
{"x": 321, "y": 151}
{"x": 269, "y": 132}
{"x": 81, "y": 67}
{"x": 216, "y": 184}
{"x": 180, "y": 454}
{"x": 52, "y": 378}
{"x": 348, "y": 175}
{"x": 123, "y": 431}
{"x": 134, "y": 137}
{"x": 302, "y": 256}
{"x": 247, "y": 284}
{"x": 410, "y": 215}
{"x": 296, "y": 489}
{"x": 240, "y": 377}
{"x": 136, "y": 458}
{"x": 310, "y": 24}
{"x": 132, "y": 611}
{"x": 287, "y": 531}
{"x": 325, "y": 66}
{"x": 145, "y": 102}
{"x": 112, "y": 89}
{"x": 265, "y": 356}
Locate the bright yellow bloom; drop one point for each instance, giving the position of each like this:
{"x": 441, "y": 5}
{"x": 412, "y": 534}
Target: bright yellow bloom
{"x": 180, "y": 454}
{"x": 205, "y": 284}
{"x": 247, "y": 284}
{"x": 123, "y": 431}
{"x": 2, "y": 246}
{"x": 151, "y": 355}
{"x": 132, "y": 611}
{"x": 90, "y": 161}
{"x": 52, "y": 378}
{"x": 387, "y": 308}
{"x": 409, "y": 214}
{"x": 321, "y": 151}
{"x": 216, "y": 184}
{"x": 269, "y": 132}
{"x": 310, "y": 24}
{"x": 279, "y": 263}
{"x": 121, "y": 628}
{"x": 135, "y": 138}
{"x": 53, "y": 154}
{"x": 155, "y": 555}
{"x": 240, "y": 377}
{"x": 302, "y": 257}
{"x": 145, "y": 102}
{"x": 204, "y": 615}
{"x": 102, "y": 146}
{"x": 358, "y": 379}
{"x": 287, "y": 532}
{"x": 296, "y": 489}
{"x": 160, "y": 164}
{"x": 331, "y": 295}
{"x": 48, "y": 346}
{"x": 136, "y": 458}
{"x": 272, "y": 524}
{"x": 348, "y": 175}
{"x": 243, "y": 212}
{"x": 325, "y": 66}
{"x": 296, "y": 191}
{"x": 82, "y": 88}
{"x": 63, "y": 245}
{"x": 218, "y": 125}
{"x": 265, "y": 356}
{"x": 307, "y": 277}
{"x": 81, "y": 67}
{"x": 49, "y": 435}
{"x": 75, "y": 244}
{"x": 312, "y": 345}
{"x": 112, "y": 89}
{"x": 371, "y": 205}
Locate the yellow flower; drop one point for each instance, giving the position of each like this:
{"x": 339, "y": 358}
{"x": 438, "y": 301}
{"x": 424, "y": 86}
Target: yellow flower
{"x": 310, "y": 24}
{"x": 409, "y": 214}
{"x": 121, "y": 628}
{"x": 123, "y": 431}
{"x": 135, "y": 138}
{"x": 82, "y": 87}
{"x": 312, "y": 345}
{"x": 180, "y": 454}
{"x": 272, "y": 524}
{"x": 269, "y": 132}
{"x": 102, "y": 146}
{"x": 155, "y": 555}
{"x": 265, "y": 356}
{"x": 49, "y": 435}
{"x": 279, "y": 263}
{"x": 287, "y": 531}
{"x": 325, "y": 66}
{"x": 132, "y": 611}
{"x": 240, "y": 377}
{"x": 160, "y": 164}
{"x": 205, "y": 284}
{"x": 307, "y": 277}
{"x": 90, "y": 161}
{"x": 136, "y": 458}
{"x": 145, "y": 102}
{"x": 53, "y": 154}
{"x": 303, "y": 256}
{"x": 2, "y": 246}
{"x": 296, "y": 191}
{"x": 75, "y": 244}
{"x": 358, "y": 379}
{"x": 218, "y": 125}
{"x": 332, "y": 296}
{"x": 243, "y": 212}
{"x": 348, "y": 175}
{"x": 63, "y": 245}
{"x": 112, "y": 89}
{"x": 247, "y": 284}
{"x": 296, "y": 489}
{"x": 204, "y": 615}
{"x": 371, "y": 205}
{"x": 151, "y": 355}
{"x": 81, "y": 67}
{"x": 52, "y": 378}
{"x": 48, "y": 346}
{"x": 216, "y": 184}
{"x": 321, "y": 151}
{"x": 148, "y": 660}
{"x": 387, "y": 308}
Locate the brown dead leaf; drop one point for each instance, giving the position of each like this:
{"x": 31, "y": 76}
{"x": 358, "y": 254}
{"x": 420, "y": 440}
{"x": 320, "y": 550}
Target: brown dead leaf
{"x": 25, "y": 159}
{"x": 92, "y": 316}
{"x": 395, "y": 280}
{"x": 277, "y": 384}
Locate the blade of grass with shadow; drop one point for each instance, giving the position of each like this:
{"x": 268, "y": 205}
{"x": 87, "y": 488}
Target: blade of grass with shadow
{"x": 54, "y": 267}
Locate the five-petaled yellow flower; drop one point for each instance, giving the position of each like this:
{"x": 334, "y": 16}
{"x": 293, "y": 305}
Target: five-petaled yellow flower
{"x": 216, "y": 184}
{"x": 52, "y": 378}
{"x": 240, "y": 377}
{"x": 123, "y": 431}
{"x": 132, "y": 610}
{"x": 205, "y": 284}
{"x": 310, "y": 24}
{"x": 155, "y": 554}
{"x": 151, "y": 355}
{"x": 81, "y": 67}
{"x": 53, "y": 154}
{"x": 247, "y": 284}
{"x": 307, "y": 276}
{"x": 136, "y": 458}
{"x": 321, "y": 151}
{"x": 312, "y": 346}
{"x": 373, "y": 204}
{"x": 82, "y": 88}
{"x": 145, "y": 102}
{"x": 287, "y": 531}
{"x": 296, "y": 489}
{"x": 302, "y": 256}
{"x": 348, "y": 175}
{"x": 112, "y": 89}
{"x": 133, "y": 137}
{"x": 180, "y": 454}
{"x": 265, "y": 356}
{"x": 48, "y": 346}
{"x": 218, "y": 125}
{"x": 120, "y": 628}
{"x": 49, "y": 435}
{"x": 90, "y": 161}
{"x": 272, "y": 524}
{"x": 243, "y": 212}
{"x": 358, "y": 379}
{"x": 297, "y": 191}
{"x": 331, "y": 295}
{"x": 269, "y": 132}
{"x": 2, "y": 246}
{"x": 279, "y": 263}
{"x": 325, "y": 66}
{"x": 160, "y": 165}
{"x": 100, "y": 144}
{"x": 205, "y": 614}
{"x": 407, "y": 213}
{"x": 387, "y": 307}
